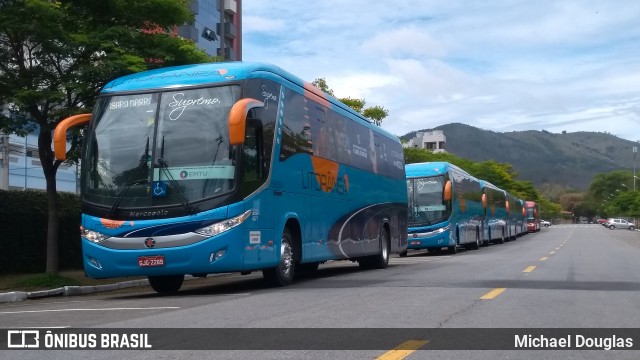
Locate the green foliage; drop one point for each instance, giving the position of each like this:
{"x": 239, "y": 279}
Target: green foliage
{"x": 55, "y": 56}
{"x": 374, "y": 113}
{"x": 321, "y": 84}
{"x": 355, "y": 104}
{"x": 569, "y": 161}
{"x": 23, "y": 219}
{"x": 548, "y": 209}
{"x": 46, "y": 281}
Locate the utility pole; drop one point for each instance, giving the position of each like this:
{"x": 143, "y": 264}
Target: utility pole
{"x": 4, "y": 162}
{"x": 635, "y": 151}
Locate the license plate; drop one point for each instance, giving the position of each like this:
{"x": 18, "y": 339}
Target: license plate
{"x": 151, "y": 261}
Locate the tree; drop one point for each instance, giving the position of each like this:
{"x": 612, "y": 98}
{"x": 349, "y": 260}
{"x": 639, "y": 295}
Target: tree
{"x": 374, "y": 113}
{"x": 571, "y": 202}
{"x": 56, "y": 55}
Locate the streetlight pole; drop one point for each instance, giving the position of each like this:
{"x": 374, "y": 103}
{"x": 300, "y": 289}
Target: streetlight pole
{"x": 635, "y": 150}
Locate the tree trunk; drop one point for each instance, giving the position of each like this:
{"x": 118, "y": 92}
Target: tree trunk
{"x": 52, "y": 225}
{"x": 50, "y": 167}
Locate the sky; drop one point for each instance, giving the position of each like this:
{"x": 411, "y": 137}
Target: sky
{"x": 500, "y": 65}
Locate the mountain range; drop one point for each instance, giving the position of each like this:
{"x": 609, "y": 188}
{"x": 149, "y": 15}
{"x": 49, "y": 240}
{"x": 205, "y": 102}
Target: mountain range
{"x": 569, "y": 159}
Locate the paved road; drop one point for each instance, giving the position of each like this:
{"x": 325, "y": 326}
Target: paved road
{"x": 566, "y": 276}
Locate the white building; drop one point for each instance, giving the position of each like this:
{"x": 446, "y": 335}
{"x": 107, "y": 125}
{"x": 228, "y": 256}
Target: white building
{"x": 25, "y": 170}
{"x": 431, "y": 140}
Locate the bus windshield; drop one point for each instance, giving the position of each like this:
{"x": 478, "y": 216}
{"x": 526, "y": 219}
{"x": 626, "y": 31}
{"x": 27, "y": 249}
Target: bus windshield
{"x": 530, "y": 214}
{"x": 426, "y": 205}
{"x": 160, "y": 149}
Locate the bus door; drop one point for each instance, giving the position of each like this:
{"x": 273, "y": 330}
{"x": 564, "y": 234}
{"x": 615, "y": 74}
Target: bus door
{"x": 259, "y": 241}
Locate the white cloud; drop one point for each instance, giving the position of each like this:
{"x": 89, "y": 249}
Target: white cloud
{"x": 413, "y": 42}
{"x": 261, "y": 24}
{"x": 499, "y": 65}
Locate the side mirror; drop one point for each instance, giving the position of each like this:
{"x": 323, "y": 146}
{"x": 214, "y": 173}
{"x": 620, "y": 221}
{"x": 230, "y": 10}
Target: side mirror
{"x": 238, "y": 119}
{"x": 60, "y": 133}
{"x": 446, "y": 194}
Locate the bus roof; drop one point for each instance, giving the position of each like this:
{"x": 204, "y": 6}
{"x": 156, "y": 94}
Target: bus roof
{"x": 429, "y": 168}
{"x": 196, "y": 74}
{"x": 484, "y": 183}
{"x": 217, "y": 72}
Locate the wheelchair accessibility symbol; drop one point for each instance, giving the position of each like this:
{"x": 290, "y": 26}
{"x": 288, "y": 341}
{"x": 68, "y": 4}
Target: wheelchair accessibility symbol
{"x": 159, "y": 188}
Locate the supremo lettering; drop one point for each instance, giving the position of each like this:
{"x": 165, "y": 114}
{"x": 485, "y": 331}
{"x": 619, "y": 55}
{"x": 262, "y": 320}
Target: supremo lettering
{"x": 179, "y": 104}
{"x": 121, "y": 104}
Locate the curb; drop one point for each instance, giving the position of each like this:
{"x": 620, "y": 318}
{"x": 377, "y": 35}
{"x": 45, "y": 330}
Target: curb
{"x": 69, "y": 291}
{"x": 15, "y": 296}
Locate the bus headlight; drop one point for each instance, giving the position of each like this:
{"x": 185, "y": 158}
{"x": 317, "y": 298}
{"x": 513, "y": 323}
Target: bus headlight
{"x": 93, "y": 236}
{"x": 223, "y": 226}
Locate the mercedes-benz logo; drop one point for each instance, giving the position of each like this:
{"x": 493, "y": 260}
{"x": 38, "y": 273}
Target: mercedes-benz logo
{"x": 149, "y": 242}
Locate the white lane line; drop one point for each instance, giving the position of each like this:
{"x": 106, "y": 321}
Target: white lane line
{"x": 105, "y": 309}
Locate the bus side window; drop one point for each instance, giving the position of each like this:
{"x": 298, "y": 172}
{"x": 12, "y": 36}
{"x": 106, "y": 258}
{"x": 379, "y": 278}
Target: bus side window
{"x": 253, "y": 173}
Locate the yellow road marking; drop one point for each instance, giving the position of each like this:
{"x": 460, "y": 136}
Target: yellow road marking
{"x": 403, "y": 350}
{"x": 529, "y": 269}
{"x": 544, "y": 258}
{"x": 493, "y": 294}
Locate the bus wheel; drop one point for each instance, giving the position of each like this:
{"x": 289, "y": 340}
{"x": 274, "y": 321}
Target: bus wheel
{"x": 380, "y": 261}
{"x": 452, "y": 249}
{"x": 476, "y": 245}
{"x": 501, "y": 239}
{"x": 282, "y": 275}
{"x": 166, "y": 284}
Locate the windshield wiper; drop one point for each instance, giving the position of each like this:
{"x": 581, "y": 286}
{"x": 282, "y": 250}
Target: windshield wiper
{"x": 121, "y": 194}
{"x": 164, "y": 166}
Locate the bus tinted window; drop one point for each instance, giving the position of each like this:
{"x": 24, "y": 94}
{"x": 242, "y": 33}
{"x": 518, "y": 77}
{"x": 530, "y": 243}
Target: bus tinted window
{"x": 321, "y": 131}
{"x": 362, "y": 146}
{"x": 343, "y": 142}
{"x": 296, "y": 133}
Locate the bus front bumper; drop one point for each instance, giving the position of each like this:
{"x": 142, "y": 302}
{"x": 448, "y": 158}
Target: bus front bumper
{"x": 432, "y": 239}
{"x": 222, "y": 253}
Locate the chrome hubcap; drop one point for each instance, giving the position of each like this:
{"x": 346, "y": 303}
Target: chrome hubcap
{"x": 385, "y": 248}
{"x": 286, "y": 257}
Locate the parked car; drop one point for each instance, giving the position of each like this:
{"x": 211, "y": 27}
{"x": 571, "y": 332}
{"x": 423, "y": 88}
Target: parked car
{"x": 602, "y": 221}
{"x": 619, "y": 224}
{"x": 545, "y": 223}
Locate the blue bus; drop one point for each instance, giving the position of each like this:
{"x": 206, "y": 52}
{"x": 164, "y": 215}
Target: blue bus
{"x": 445, "y": 207}
{"x": 227, "y": 167}
{"x": 495, "y": 226}
{"x": 516, "y": 209}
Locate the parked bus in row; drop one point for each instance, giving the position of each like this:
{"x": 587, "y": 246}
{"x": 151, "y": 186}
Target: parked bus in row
{"x": 516, "y": 222}
{"x": 445, "y": 207}
{"x": 226, "y": 167}
{"x": 532, "y": 210}
{"x": 495, "y": 213}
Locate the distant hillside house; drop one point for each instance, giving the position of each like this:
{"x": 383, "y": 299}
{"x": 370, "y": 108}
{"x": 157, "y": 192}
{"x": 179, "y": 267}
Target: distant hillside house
{"x": 430, "y": 140}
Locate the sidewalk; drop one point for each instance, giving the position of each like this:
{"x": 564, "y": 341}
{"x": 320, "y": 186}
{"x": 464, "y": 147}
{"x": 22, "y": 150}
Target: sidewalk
{"x": 14, "y": 296}
{"x": 69, "y": 291}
